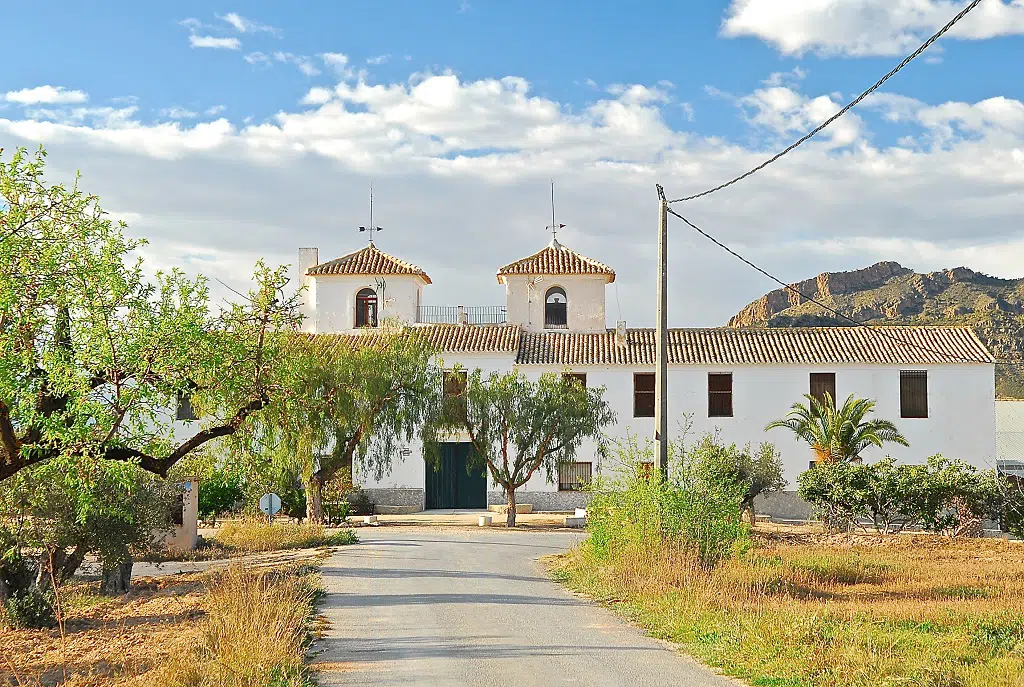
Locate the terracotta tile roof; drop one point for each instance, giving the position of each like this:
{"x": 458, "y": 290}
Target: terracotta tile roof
{"x": 556, "y": 259}
{"x": 790, "y": 346}
{"x": 446, "y": 338}
{"x": 370, "y": 260}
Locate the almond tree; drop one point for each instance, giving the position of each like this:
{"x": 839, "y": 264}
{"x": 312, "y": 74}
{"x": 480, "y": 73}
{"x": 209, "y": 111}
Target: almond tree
{"x": 93, "y": 353}
{"x": 519, "y": 427}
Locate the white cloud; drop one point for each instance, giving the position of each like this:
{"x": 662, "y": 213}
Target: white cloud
{"x": 305, "y": 64}
{"x": 379, "y": 59}
{"x": 215, "y": 42}
{"x": 214, "y": 110}
{"x": 176, "y": 112}
{"x": 866, "y": 27}
{"x": 444, "y": 153}
{"x": 258, "y": 58}
{"x": 48, "y": 95}
{"x": 243, "y": 25}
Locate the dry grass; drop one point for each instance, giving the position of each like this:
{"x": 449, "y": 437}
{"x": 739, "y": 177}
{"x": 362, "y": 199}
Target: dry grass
{"x": 254, "y": 634}
{"x": 800, "y": 609}
{"x": 109, "y": 641}
{"x": 238, "y": 627}
{"x": 254, "y": 537}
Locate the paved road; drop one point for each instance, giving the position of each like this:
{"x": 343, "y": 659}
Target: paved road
{"x": 457, "y": 607}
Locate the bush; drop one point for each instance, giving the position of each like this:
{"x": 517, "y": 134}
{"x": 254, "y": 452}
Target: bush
{"x": 30, "y": 607}
{"x": 255, "y": 536}
{"x": 940, "y": 496}
{"x": 697, "y": 509}
{"x": 221, "y": 491}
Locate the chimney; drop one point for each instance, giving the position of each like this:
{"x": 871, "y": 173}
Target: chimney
{"x": 308, "y": 257}
{"x": 620, "y": 334}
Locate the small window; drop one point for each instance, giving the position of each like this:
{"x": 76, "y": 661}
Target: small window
{"x": 366, "y": 308}
{"x": 185, "y": 412}
{"x": 556, "y": 309}
{"x": 719, "y": 394}
{"x": 823, "y": 383}
{"x": 913, "y": 393}
{"x": 455, "y": 392}
{"x": 574, "y": 476}
{"x": 177, "y": 508}
{"x": 575, "y": 378}
{"x": 643, "y": 394}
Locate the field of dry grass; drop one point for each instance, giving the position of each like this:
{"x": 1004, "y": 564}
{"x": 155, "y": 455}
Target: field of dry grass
{"x": 801, "y": 609}
{"x": 239, "y": 627}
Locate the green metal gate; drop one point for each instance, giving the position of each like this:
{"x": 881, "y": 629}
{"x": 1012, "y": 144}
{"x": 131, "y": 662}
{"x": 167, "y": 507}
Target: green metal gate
{"x": 452, "y": 484}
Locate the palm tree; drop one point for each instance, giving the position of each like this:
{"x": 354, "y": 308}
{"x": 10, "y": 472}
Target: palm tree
{"x": 841, "y": 434}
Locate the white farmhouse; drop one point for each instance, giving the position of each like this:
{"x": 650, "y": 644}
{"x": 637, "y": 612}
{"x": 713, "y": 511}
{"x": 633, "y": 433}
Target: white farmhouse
{"x": 935, "y": 383}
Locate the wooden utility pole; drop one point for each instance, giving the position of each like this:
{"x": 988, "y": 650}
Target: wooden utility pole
{"x": 661, "y": 346}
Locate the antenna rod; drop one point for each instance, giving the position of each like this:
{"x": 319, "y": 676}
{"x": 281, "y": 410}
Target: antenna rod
{"x": 371, "y": 212}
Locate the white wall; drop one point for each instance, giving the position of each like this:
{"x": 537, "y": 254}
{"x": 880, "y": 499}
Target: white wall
{"x": 585, "y": 295}
{"x": 961, "y": 422}
{"x": 961, "y": 409}
{"x": 334, "y": 304}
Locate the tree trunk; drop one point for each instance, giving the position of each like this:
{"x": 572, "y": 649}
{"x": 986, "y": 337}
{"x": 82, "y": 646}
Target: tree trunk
{"x": 118, "y": 579}
{"x": 510, "y": 492}
{"x": 315, "y": 499}
{"x": 748, "y": 509}
{"x": 71, "y": 564}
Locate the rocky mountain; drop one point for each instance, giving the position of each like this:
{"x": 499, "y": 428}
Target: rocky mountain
{"x": 888, "y": 293}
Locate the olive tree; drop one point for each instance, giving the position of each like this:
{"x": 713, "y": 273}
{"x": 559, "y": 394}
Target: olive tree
{"x": 519, "y": 427}
{"x": 94, "y": 352}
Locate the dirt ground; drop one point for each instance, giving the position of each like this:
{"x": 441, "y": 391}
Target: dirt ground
{"x": 115, "y": 642}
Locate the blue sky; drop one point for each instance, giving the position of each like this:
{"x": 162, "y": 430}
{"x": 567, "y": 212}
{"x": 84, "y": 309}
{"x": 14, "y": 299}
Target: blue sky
{"x": 230, "y": 132}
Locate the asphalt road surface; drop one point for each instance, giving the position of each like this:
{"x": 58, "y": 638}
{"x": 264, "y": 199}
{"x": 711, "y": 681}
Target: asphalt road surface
{"x": 456, "y": 607}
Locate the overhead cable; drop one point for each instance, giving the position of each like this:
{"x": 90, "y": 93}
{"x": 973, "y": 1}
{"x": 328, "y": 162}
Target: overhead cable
{"x": 924, "y": 46}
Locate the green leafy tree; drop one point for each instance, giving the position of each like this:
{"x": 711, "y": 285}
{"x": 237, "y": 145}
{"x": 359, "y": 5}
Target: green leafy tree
{"x": 754, "y": 472}
{"x": 838, "y": 434}
{"x": 519, "y": 427}
{"x": 64, "y": 509}
{"x": 93, "y": 353}
{"x": 351, "y": 400}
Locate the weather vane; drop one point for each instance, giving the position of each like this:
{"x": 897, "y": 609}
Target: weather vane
{"x": 371, "y": 227}
{"x": 554, "y": 226}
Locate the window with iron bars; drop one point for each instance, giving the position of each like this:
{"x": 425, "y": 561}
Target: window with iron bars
{"x": 574, "y": 476}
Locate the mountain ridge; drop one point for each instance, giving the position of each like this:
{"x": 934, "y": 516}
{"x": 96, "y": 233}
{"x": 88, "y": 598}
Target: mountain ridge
{"x": 889, "y": 293}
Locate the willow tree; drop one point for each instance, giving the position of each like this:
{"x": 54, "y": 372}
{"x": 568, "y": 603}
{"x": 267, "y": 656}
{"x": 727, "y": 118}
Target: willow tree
{"x": 352, "y": 400}
{"x": 519, "y": 427}
{"x": 94, "y": 353}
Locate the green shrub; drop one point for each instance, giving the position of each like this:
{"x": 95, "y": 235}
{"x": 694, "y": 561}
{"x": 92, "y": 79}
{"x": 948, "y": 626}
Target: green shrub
{"x": 220, "y": 492}
{"x": 698, "y": 508}
{"x": 30, "y": 607}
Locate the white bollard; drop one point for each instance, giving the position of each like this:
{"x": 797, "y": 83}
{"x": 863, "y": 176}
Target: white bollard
{"x": 581, "y": 513}
{"x": 483, "y": 521}
{"x": 370, "y": 520}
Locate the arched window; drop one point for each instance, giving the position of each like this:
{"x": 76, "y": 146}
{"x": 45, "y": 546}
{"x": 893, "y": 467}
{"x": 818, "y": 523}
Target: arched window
{"x": 366, "y": 308}
{"x": 556, "y": 309}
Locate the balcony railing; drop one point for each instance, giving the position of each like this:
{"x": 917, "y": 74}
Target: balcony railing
{"x": 455, "y": 314}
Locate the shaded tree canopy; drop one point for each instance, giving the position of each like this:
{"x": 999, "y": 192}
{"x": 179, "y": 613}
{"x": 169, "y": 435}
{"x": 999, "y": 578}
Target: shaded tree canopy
{"x": 519, "y": 427}
{"x": 93, "y": 353}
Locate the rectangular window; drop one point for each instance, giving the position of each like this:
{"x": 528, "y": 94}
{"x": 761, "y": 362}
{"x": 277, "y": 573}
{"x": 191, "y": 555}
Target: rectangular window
{"x": 913, "y": 393}
{"x": 455, "y": 392}
{"x": 574, "y": 476}
{"x": 576, "y": 378}
{"x": 643, "y": 394}
{"x": 720, "y": 394}
{"x": 823, "y": 383}
{"x": 177, "y": 507}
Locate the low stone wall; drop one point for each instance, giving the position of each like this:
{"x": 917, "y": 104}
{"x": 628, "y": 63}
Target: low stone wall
{"x": 543, "y": 500}
{"x": 783, "y": 505}
{"x": 397, "y": 497}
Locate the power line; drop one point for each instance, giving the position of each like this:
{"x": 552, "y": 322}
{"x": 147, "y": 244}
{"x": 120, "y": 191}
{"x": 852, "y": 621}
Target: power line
{"x": 793, "y": 289}
{"x": 837, "y": 115}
